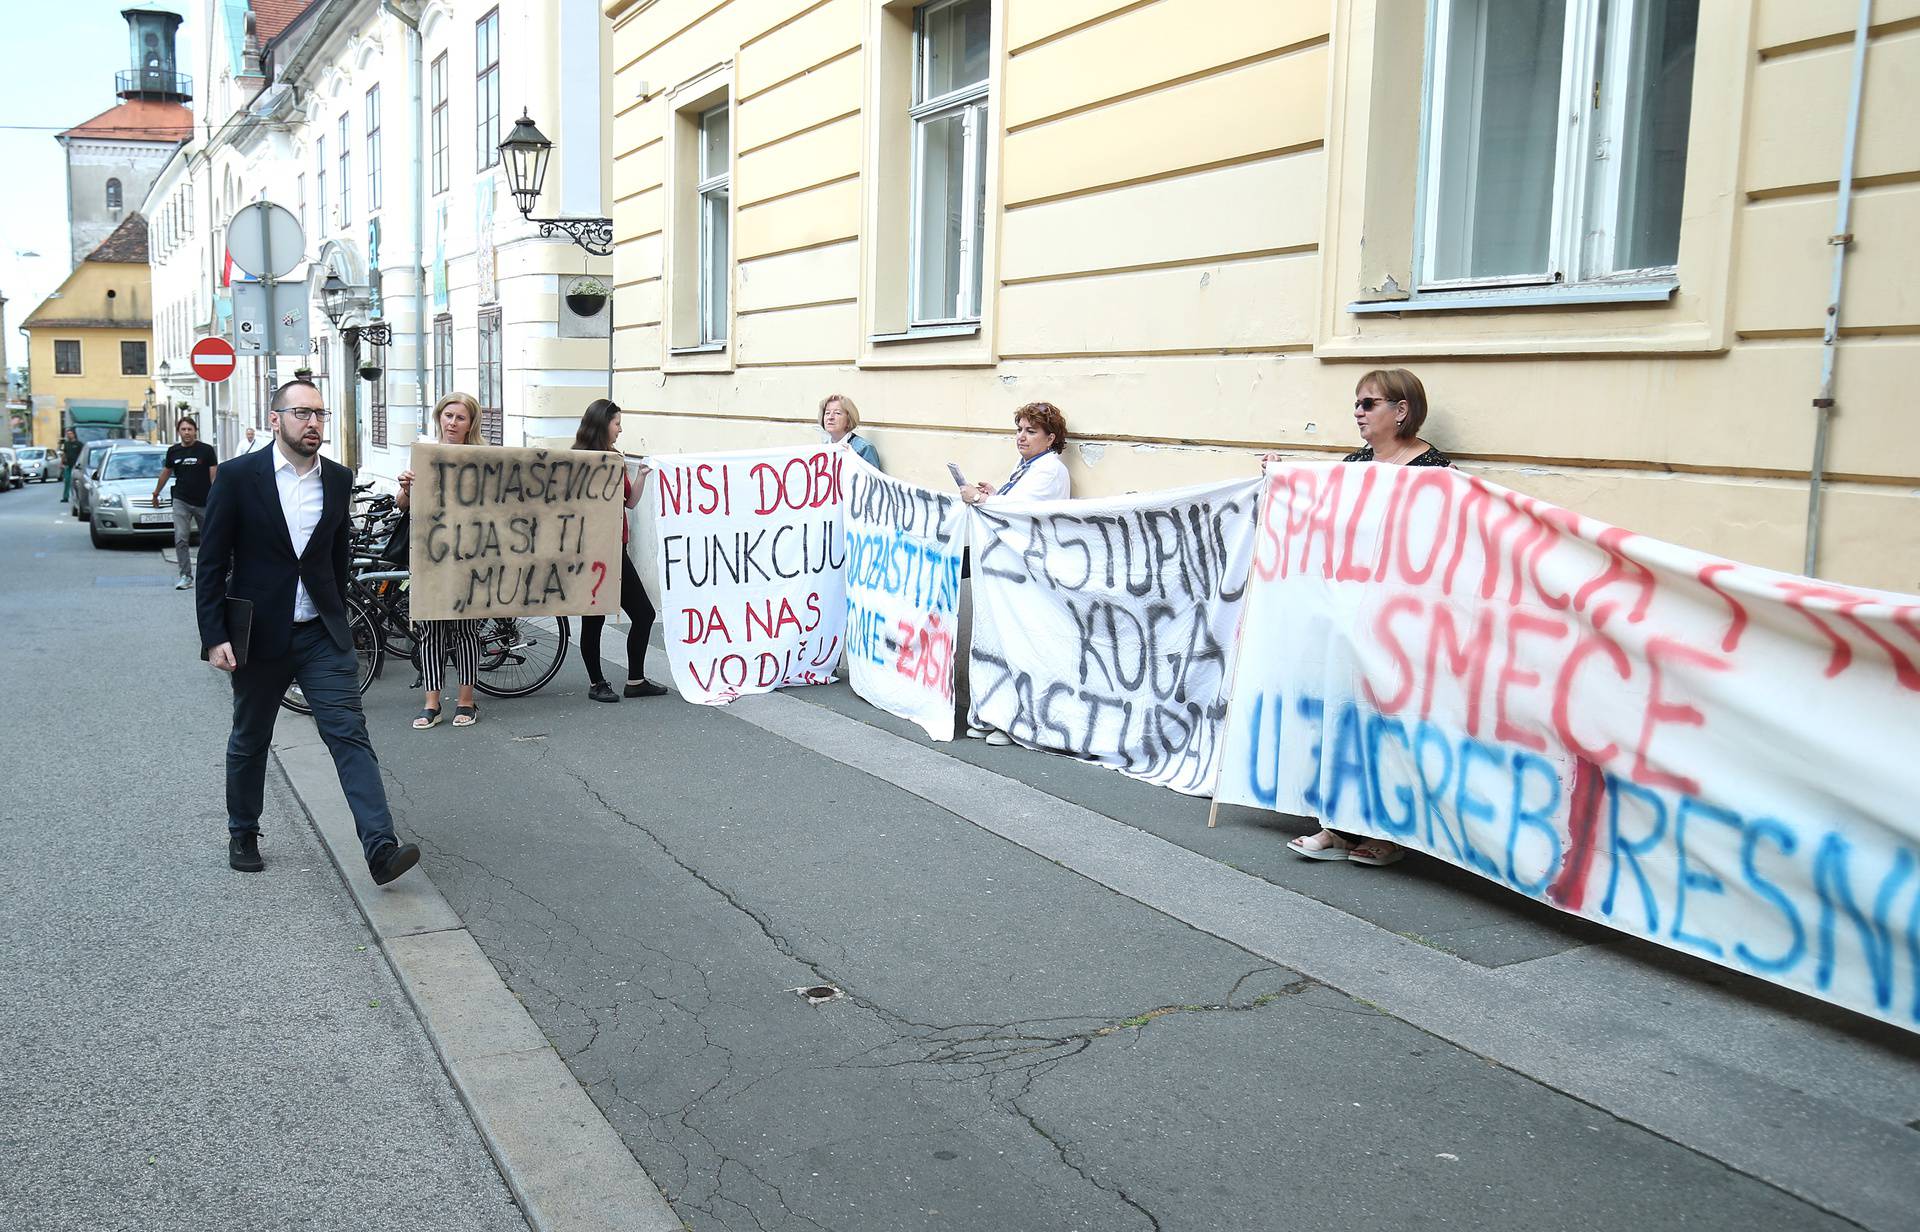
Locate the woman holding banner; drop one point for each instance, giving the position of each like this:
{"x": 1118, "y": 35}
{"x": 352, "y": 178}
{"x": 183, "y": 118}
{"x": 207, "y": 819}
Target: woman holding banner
{"x": 455, "y": 420}
{"x": 1039, "y": 435}
{"x": 1389, "y": 407}
{"x": 599, "y": 429}
{"x": 838, "y": 419}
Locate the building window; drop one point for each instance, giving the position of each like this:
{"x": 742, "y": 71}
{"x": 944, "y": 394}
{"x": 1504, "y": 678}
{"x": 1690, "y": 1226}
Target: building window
{"x": 1514, "y": 196}
{"x": 439, "y": 97}
{"x": 442, "y": 357}
{"x": 486, "y": 90}
{"x": 950, "y": 62}
{"x": 377, "y": 410}
{"x": 346, "y": 176}
{"x": 492, "y": 391}
{"x": 320, "y": 181}
{"x": 66, "y": 357}
{"x": 300, "y": 198}
{"x": 113, "y": 194}
{"x": 133, "y": 359}
{"x": 713, "y": 195}
{"x": 373, "y": 149}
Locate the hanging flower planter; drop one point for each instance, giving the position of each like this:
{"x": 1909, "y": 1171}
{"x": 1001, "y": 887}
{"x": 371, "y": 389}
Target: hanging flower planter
{"x": 587, "y": 296}
{"x": 370, "y": 372}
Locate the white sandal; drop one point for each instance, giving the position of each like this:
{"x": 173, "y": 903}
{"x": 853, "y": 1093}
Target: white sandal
{"x": 1329, "y": 847}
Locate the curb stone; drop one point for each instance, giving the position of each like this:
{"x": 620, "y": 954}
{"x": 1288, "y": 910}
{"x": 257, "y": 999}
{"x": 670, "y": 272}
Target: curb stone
{"x": 568, "y": 1169}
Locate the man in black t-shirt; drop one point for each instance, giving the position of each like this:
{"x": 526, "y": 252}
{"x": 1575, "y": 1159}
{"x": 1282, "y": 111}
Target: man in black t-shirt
{"x": 190, "y": 464}
{"x": 69, "y": 454}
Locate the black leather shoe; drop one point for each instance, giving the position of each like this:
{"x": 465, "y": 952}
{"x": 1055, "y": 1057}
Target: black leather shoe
{"x": 646, "y": 688}
{"x": 243, "y": 853}
{"x": 390, "y": 862}
{"x": 601, "y": 691}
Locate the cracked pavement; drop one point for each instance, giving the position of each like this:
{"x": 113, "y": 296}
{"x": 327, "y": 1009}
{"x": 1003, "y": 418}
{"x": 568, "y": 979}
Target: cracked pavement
{"x": 1016, "y": 1046}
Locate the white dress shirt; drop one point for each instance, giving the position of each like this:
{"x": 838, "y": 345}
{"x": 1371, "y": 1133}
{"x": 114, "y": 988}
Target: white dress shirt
{"x": 301, "y": 502}
{"x": 1046, "y": 478}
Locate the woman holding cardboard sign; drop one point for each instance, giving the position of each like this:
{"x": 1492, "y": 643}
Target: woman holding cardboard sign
{"x": 455, "y": 418}
{"x": 599, "y": 429}
{"x": 1389, "y": 405}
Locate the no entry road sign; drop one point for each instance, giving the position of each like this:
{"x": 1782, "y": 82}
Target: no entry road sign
{"x": 212, "y": 359}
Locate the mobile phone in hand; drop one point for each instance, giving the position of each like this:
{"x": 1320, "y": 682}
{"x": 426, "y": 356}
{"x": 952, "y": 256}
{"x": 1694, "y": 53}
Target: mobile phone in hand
{"x": 959, "y": 480}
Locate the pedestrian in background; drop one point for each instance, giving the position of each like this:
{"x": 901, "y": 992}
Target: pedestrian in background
{"x": 250, "y": 444}
{"x": 599, "y": 430}
{"x": 278, "y": 536}
{"x": 69, "y": 454}
{"x": 838, "y": 419}
{"x": 1389, "y": 407}
{"x": 191, "y": 464}
{"x": 454, "y": 420}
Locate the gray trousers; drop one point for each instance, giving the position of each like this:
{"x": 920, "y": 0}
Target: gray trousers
{"x": 185, "y": 518}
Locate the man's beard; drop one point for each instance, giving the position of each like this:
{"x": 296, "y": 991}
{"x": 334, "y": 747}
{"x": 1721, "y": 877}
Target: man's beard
{"x": 297, "y": 443}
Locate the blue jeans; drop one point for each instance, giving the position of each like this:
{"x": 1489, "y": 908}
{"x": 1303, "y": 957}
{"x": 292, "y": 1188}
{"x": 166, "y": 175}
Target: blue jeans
{"x": 329, "y": 677}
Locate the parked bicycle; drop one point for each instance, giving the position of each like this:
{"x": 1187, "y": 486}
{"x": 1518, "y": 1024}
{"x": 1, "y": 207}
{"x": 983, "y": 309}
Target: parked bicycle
{"x": 518, "y": 654}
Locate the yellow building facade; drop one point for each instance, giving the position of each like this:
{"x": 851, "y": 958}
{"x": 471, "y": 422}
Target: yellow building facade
{"x": 91, "y": 343}
{"x": 1600, "y": 236}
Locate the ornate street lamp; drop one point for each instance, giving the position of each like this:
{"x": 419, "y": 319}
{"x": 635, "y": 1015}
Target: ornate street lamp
{"x": 525, "y": 153}
{"x": 337, "y": 299}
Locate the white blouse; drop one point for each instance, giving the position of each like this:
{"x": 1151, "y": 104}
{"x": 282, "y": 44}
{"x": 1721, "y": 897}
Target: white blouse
{"x": 1046, "y": 479}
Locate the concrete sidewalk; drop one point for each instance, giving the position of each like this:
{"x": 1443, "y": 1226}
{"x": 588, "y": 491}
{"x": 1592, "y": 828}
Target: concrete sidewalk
{"x": 185, "y": 1047}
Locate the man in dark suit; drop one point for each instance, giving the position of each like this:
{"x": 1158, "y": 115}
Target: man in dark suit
{"x": 277, "y": 534}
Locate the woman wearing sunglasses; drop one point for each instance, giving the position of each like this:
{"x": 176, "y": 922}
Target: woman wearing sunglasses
{"x": 1389, "y": 407}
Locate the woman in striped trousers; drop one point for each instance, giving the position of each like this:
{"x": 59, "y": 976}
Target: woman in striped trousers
{"x": 455, "y": 420}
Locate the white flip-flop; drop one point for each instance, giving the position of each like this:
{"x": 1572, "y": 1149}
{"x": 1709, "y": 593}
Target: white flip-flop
{"x": 1335, "y": 851}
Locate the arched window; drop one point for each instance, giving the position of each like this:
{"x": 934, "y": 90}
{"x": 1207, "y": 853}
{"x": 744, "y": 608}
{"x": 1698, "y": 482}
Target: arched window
{"x": 113, "y": 194}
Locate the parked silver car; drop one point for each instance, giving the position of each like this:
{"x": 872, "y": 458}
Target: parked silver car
{"x": 38, "y": 464}
{"x": 85, "y": 470}
{"x": 121, "y": 505}
{"x": 10, "y": 477}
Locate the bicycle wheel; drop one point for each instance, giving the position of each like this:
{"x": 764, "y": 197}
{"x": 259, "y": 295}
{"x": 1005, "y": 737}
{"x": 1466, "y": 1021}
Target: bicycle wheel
{"x": 518, "y": 654}
{"x": 366, "y": 650}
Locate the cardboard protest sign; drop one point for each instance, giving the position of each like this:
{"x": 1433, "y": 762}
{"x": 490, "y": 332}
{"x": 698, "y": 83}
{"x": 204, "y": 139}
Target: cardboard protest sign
{"x": 751, "y": 559}
{"x": 1104, "y": 629}
{"x": 514, "y": 532}
{"x": 904, "y": 549}
{"x": 1716, "y": 757}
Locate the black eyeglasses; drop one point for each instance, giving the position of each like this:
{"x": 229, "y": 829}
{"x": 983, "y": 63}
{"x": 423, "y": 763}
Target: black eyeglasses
{"x": 1367, "y": 404}
{"x": 305, "y": 415}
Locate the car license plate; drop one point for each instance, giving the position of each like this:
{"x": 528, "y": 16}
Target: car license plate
{"x": 156, "y": 519}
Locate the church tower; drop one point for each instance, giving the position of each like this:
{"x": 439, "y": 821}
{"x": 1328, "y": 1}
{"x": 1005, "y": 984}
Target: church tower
{"x": 113, "y": 158}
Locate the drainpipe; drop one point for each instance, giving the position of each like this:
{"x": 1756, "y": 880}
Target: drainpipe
{"x": 1841, "y": 240}
{"x": 415, "y": 73}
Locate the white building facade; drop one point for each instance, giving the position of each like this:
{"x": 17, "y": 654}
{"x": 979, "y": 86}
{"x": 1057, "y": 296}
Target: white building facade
{"x": 376, "y": 123}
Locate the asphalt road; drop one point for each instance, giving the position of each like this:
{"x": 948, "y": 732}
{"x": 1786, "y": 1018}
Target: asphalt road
{"x": 183, "y": 1046}
{"x": 1014, "y": 1045}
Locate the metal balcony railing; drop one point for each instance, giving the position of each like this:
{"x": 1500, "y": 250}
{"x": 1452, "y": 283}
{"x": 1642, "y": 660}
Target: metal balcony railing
{"x": 152, "y": 81}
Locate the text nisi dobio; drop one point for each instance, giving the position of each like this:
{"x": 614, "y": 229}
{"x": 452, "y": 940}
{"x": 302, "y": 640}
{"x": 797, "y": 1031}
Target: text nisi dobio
{"x": 809, "y": 482}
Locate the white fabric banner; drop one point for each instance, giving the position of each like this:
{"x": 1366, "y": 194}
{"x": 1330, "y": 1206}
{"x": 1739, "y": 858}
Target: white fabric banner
{"x": 1713, "y": 756}
{"x": 751, "y": 564}
{"x": 904, "y": 546}
{"x": 1103, "y": 629}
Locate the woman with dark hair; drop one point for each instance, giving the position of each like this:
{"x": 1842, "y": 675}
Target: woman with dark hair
{"x": 599, "y": 430}
{"x": 456, "y": 421}
{"x": 1039, "y": 436}
{"x": 1389, "y": 407}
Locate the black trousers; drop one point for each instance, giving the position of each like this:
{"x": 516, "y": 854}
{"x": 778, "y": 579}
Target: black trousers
{"x": 639, "y": 609}
{"x": 329, "y": 678}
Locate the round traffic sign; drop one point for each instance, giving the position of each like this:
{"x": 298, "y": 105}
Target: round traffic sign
{"x": 265, "y": 240}
{"x": 212, "y": 359}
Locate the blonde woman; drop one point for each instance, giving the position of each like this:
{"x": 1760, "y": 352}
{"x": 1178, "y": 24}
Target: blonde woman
{"x": 456, "y": 419}
{"x": 838, "y": 419}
